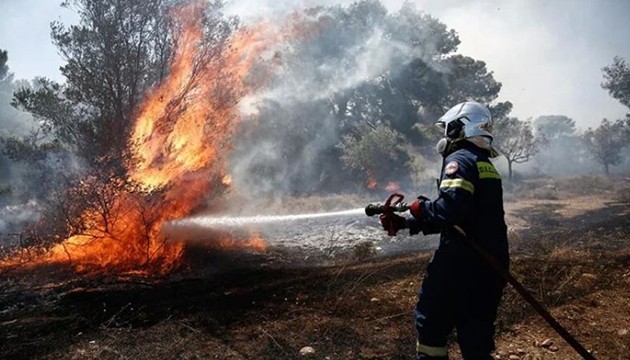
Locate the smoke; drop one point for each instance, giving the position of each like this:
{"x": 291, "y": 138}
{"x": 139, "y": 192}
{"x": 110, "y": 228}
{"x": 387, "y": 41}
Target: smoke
{"x": 12, "y": 123}
{"x": 26, "y": 184}
{"x": 327, "y": 78}
{"x": 13, "y": 218}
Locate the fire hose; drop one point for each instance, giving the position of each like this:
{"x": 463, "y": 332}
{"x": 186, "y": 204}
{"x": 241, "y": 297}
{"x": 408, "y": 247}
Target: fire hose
{"x": 395, "y": 204}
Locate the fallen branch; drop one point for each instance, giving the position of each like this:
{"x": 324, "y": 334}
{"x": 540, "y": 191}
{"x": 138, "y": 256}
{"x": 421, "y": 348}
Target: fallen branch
{"x": 274, "y": 340}
{"x": 391, "y": 316}
{"x": 189, "y": 327}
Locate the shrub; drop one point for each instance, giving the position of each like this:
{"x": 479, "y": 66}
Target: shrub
{"x": 624, "y": 195}
{"x": 364, "y": 250}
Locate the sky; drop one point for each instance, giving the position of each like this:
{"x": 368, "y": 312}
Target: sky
{"x": 547, "y": 54}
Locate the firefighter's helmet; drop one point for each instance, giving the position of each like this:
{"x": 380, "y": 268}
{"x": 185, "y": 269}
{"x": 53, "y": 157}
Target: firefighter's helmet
{"x": 466, "y": 120}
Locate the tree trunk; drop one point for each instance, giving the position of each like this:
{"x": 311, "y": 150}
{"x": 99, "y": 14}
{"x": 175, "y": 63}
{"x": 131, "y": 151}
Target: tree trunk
{"x": 509, "y": 170}
{"x": 606, "y": 169}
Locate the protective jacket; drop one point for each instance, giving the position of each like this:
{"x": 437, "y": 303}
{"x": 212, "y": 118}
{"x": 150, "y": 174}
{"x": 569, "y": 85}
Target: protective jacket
{"x": 459, "y": 289}
{"x": 470, "y": 196}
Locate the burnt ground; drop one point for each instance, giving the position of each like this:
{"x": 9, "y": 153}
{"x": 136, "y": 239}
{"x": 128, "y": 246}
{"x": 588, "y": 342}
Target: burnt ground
{"x": 572, "y": 252}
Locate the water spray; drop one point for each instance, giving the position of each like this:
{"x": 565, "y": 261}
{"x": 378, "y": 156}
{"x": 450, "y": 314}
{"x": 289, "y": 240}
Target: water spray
{"x": 240, "y": 221}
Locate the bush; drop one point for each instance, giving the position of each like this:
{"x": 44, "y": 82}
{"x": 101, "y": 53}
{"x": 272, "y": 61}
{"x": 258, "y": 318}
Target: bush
{"x": 364, "y": 250}
{"x": 587, "y": 184}
{"x": 624, "y": 195}
{"x": 375, "y": 151}
{"x": 547, "y": 192}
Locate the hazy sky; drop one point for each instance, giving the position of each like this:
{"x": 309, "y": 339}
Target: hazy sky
{"x": 548, "y": 54}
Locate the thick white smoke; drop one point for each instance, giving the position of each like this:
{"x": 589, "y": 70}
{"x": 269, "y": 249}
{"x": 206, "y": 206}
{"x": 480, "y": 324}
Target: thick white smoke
{"x": 317, "y": 69}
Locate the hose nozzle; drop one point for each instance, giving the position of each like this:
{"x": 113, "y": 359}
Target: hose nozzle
{"x": 377, "y": 209}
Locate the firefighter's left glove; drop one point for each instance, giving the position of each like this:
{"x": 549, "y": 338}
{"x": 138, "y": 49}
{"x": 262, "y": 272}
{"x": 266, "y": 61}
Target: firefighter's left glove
{"x": 392, "y": 223}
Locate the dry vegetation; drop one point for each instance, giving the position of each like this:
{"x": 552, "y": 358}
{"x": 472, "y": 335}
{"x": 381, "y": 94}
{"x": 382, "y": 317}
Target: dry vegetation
{"x": 574, "y": 255}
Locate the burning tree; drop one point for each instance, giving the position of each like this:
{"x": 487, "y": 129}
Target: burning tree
{"x": 116, "y": 52}
{"x": 155, "y": 91}
{"x": 149, "y": 160}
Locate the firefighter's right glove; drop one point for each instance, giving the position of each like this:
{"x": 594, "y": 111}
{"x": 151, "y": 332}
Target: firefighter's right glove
{"x": 416, "y": 208}
{"x": 392, "y": 223}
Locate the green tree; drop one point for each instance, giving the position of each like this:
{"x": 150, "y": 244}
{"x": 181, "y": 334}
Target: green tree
{"x": 606, "y": 142}
{"x": 360, "y": 65}
{"x": 374, "y": 151}
{"x": 467, "y": 79}
{"x": 6, "y": 89}
{"x": 565, "y": 152}
{"x": 4, "y": 68}
{"x": 516, "y": 140}
{"x": 617, "y": 80}
{"x": 20, "y": 140}
{"x": 554, "y": 126}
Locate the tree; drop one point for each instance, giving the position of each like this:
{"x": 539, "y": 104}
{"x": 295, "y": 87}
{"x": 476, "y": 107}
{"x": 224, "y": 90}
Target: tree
{"x": 374, "y": 151}
{"x": 359, "y": 65}
{"x": 4, "y": 68}
{"x": 617, "y": 80}
{"x": 6, "y": 89}
{"x": 565, "y": 152}
{"x": 554, "y": 126}
{"x": 515, "y": 139}
{"x": 606, "y": 142}
{"x": 116, "y": 53}
{"x": 467, "y": 79}
{"x": 13, "y": 125}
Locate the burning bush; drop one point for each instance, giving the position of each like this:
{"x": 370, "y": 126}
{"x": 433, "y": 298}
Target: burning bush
{"x": 173, "y": 163}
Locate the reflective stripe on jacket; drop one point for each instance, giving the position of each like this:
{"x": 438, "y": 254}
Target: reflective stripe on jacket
{"x": 470, "y": 196}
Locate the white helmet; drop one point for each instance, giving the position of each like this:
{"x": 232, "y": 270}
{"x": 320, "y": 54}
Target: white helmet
{"x": 471, "y": 117}
{"x": 469, "y": 121}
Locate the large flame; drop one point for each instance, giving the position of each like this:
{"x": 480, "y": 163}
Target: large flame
{"x": 179, "y": 140}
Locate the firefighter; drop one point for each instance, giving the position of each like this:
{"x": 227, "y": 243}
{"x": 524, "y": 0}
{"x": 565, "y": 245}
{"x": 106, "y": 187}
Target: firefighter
{"x": 459, "y": 289}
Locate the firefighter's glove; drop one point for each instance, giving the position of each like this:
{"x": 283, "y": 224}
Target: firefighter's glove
{"x": 392, "y": 223}
{"x": 416, "y": 208}
{"x": 415, "y": 226}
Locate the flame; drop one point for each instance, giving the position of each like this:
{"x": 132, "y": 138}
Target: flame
{"x": 371, "y": 181}
{"x": 182, "y": 132}
{"x": 226, "y": 180}
{"x": 255, "y": 242}
{"x": 392, "y": 186}
{"x": 171, "y": 130}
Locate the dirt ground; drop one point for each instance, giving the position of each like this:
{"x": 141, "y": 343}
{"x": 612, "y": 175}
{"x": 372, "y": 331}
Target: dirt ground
{"x": 571, "y": 250}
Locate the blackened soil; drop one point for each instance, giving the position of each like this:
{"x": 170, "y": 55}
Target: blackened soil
{"x": 269, "y": 306}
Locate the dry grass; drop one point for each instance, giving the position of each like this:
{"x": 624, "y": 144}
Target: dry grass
{"x": 624, "y": 195}
{"x": 364, "y": 250}
{"x": 545, "y": 188}
{"x": 355, "y": 310}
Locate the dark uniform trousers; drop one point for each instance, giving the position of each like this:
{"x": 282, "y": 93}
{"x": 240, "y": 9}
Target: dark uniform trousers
{"x": 460, "y": 291}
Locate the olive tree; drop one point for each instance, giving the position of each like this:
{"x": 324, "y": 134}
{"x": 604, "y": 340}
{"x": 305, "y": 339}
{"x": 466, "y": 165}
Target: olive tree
{"x": 374, "y": 151}
{"x": 516, "y": 140}
{"x": 617, "y": 80}
{"x": 606, "y": 141}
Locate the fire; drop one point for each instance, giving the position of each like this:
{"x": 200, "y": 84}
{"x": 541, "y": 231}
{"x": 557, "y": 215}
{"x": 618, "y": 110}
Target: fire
{"x": 179, "y": 140}
{"x": 226, "y": 180}
{"x": 255, "y": 243}
{"x": 392, "y": 186}
{"x": 371, "y": 181}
